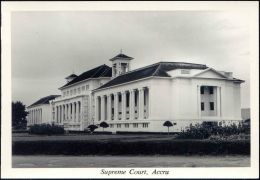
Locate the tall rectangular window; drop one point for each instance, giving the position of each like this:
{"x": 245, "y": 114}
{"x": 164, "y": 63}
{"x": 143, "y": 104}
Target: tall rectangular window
{"x": 211, "y": 91}
{"x": 202, "y": 106}
{"x": 211, "y": 104}
{"x": 202, "y": 90}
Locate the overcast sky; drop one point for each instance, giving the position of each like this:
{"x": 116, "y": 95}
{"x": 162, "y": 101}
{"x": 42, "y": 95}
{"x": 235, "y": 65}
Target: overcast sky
{"x": 48, "y": 46}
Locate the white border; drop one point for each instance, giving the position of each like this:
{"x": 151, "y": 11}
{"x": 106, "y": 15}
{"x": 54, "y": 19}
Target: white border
{"x": 7, "y": 7}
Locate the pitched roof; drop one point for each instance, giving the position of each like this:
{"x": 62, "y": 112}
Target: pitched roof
{"x": 158, "y": 69}
{"x": 44, "y": 100}
{"x": 71, "y": 76}
{"x": 100, "y": 71}
{"x": 121, "y": 56}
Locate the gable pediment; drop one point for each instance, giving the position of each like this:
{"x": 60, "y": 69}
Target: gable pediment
{"x": 210, "y": 73}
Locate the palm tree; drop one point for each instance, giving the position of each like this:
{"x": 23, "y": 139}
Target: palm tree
{"x": 167, "y": 124}
{"x": 104, "y": 125}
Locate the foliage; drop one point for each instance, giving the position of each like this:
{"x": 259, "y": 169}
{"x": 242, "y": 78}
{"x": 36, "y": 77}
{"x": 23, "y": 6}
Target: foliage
{"x": 167, "y": 123}
{"x": 136, "y": 147}
{"x": 103, "y": 125}
{"x": 46, "y": 129}
{"x": 92, "y": 127}
{"x": 18, "y": 116}
{"x": 205, "y": 130}
{"x": 241, "y": 136}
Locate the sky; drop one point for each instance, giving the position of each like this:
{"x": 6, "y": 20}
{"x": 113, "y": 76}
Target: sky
{"x": 46, "y": 47}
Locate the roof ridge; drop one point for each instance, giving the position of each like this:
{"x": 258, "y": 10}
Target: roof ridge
{"x": 105, "y": 71}
{"x": 99, "y": 68}
{"x": 157, "y": 69}
{"x": 140, "y": 68}
{"x": 181, "y": 62}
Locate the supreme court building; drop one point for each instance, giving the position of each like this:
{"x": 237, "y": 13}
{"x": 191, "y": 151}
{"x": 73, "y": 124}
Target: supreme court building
{"x": 141, "y": 100}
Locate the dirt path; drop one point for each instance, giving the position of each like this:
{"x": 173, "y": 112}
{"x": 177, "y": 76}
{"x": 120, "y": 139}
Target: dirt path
{"x": 129, "y": 161}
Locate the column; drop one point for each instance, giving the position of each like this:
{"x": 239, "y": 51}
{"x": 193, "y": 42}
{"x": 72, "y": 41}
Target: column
{"x": 132, "y": 105}
{"x": 102, "y": 108}
{"x": 123, "y": 96}
{"x": 147, "y": 102}
{"x": 141, "y": 103}
{"x": 199, "y": 101}
{"x": 73, "y": 111}
{"x": 76, "y": 111}
{"x": 79, "y": 111}
{"x": 68, "y": 112}
{"x": 40, "y": 115}
{"x": 96, "y": 109}
{"x": 65, "y": 113}
{"x": 115, "y": 106}
{"x": 218, "y": 101}
{"x": 108, "y": 107}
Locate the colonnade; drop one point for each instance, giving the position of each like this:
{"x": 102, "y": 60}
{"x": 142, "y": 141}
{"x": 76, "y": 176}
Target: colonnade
{"x": 124, "y": 105}
{"x": 35, "y": 116}
{"x": 68, "y": 112}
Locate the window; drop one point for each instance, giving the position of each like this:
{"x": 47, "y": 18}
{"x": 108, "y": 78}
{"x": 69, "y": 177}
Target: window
{"x": 79, "y": 90}
{"x": 64, "y": 94}
{"x": 135, "y": 125}
{"x": 83, "y": 88}
{"x": 145, "y": 125}
{"x": 202, "y": 90}
{"x": 202, "y": 106}
{"x": 211, "y": 104}
{"x": 87, "y": 87}
{"x": 70, "y": 92}
{"x": 120, "y": 98}
{"x": 118, "y": 125}
{"x": 112, "y": 125}
{"x": 211, "y": 90}
{"x": 75, "y": 91}
{"x": 126, "y": 125}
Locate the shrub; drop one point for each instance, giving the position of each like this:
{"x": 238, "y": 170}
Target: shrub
{"x": 92, "y": 128}
{"x": 205, "y": 130}
{"x": 46, "y": 129}
{"x": 121, "y": 147}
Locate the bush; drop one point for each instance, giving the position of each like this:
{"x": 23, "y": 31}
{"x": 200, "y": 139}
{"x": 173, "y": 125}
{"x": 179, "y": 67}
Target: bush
{"x": 121, "y": 147}
{"x": 205, "y": 130}
{"x": 46, "y": 129}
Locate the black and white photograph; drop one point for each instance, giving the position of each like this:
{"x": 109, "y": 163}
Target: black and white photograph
{"x": 130, "y": 90}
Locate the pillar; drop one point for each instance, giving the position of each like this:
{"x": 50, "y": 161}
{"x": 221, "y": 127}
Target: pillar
{"x": 79, "y": 111}
{"x": 132, "y": 105}
{"x": 123, "y": 104}
{"x": 199, "y": 101}
{"x": 102, "y": 109}
{"x": 108, "y": 107}
{"x": 218, "y": 101}
{"x": 141, "y": 103}
{"x": 96, "y": 109}
{"x": 115, "y": 106}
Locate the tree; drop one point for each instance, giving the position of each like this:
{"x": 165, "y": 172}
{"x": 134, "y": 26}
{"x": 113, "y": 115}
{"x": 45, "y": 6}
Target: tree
{"x": 19, "y": 115}
{"x": 92, "y": 128}
{"x": 104, "y": 125}
{"x": 167, "y": 124}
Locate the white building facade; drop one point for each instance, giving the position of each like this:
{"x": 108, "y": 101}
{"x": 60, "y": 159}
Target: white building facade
{"x": 40, "y": 112}
{"x": 142, "y": 100}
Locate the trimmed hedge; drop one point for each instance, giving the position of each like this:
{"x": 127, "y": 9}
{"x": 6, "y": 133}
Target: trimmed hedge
{"x": 167, "y": 147}
{"x": 46, "y": 129}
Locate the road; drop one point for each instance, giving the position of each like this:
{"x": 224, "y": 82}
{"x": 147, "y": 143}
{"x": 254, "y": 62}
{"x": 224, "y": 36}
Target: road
{"x": 40, "y": 161}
